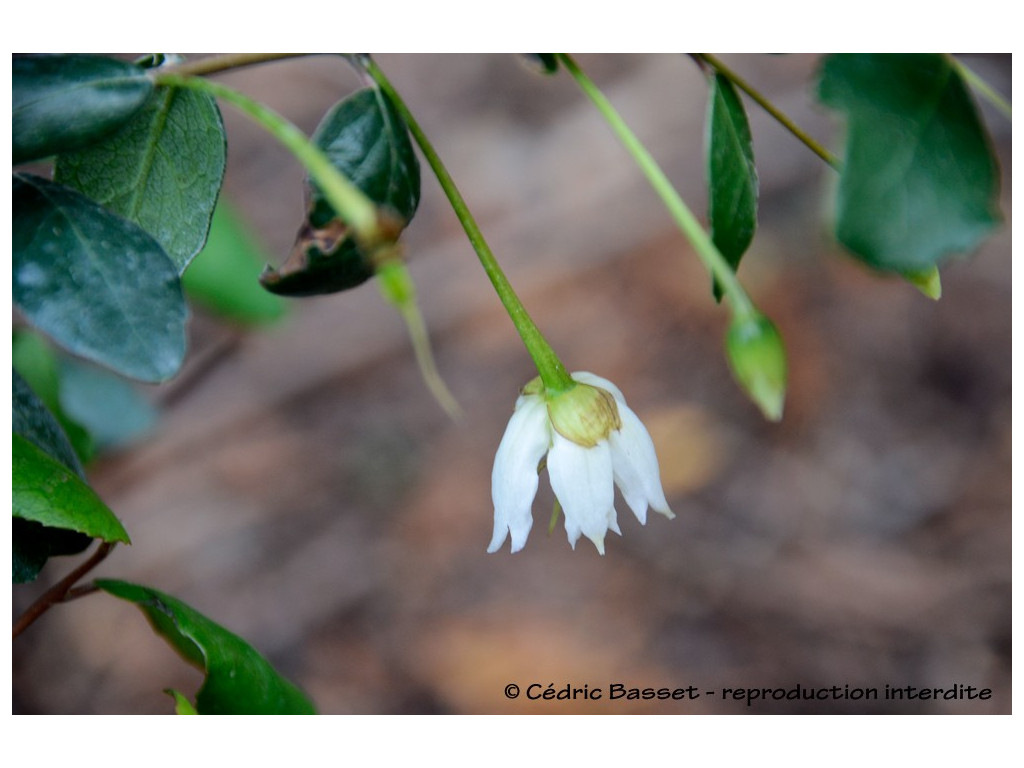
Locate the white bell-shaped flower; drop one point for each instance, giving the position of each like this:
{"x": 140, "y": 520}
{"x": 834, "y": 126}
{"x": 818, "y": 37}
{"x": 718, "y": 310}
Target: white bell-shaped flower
{"x": 593, "y": 442}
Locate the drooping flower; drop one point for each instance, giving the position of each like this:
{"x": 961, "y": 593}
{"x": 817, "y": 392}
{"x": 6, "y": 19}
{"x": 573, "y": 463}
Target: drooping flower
{"x": 593, "y": 442}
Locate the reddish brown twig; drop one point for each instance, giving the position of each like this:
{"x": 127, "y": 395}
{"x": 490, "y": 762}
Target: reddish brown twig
{"x": 62, "y": 590}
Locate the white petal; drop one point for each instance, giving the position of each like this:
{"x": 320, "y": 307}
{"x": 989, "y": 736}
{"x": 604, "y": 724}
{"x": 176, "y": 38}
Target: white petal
{"x": 635, "y": 466}
{"x": 514, "y": 478}
{"x": 582, "y": 480}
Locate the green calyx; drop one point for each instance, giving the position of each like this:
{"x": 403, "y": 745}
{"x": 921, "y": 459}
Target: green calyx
{"x": 584, "y": 414}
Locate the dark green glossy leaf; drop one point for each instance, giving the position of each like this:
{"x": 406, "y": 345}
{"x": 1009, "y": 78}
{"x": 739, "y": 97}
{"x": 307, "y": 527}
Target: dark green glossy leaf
{"x": 47, "y": 492}
{"x": 36, "y": 361}
{"x": 32, "y": 544}
{"x": 108, "y": 406}
{"x": 324, "y": 260}
{"x": 224, "y": 277}
{"x": 65, "y": 102}
{"x": 366, "y": 140}
{"x": 161, "y": 170}
{"x": 96, "y": 283}
{"x": 919, "y": 181}
{"x": 732, "y": 176}
{"x": 238, "y": 679}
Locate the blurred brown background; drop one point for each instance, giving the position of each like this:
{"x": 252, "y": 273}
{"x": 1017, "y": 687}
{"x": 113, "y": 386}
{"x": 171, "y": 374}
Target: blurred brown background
{"x": 305, "y": 491}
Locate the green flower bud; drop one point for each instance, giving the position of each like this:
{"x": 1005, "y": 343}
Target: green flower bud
{"x": 585, "y": 415}
{"x": 758, "y": 362}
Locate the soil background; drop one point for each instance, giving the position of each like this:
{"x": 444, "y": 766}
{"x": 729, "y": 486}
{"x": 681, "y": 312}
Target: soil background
{"x": 305, "y": 491}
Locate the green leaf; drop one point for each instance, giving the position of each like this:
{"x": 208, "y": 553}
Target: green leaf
{"x": 224, "y": 277}
{"x": 36, "y": 361}
{"x": 367, "y": 141}
{"x": 732, "y": 176}
{"x": 47, "y": 492}
{"x": 162, "y": 170}
{"x": 32, "y": 544}
{"x": 95, "y": 283}
{"x": 365, "y": 138}
{"x": 919, "y": 181}
{"x": 109, "y": 407}
{"x": 238, "y": 679}
{"x": 31, "y": 419}
{"x": 66, "y": 102}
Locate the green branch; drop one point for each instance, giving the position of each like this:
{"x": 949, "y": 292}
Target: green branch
{"x": 226, "y": 61}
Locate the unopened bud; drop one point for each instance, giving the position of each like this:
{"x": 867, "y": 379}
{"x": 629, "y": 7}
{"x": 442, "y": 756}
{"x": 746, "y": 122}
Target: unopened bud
{"x": 585, "y": 415}
{"x": 758, "y": 362}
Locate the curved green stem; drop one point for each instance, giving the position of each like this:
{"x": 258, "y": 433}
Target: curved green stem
{"x": 355, "y": 208}
{"x": 982, "y": 87}
{"x": 397, "y": 287}
{"x": 226, "y": 61}
{"x": 771, "y": 109}
{"x": 688, "y": 223}
{"x": 551, "y": 369}
{"x": 358, "y": 212}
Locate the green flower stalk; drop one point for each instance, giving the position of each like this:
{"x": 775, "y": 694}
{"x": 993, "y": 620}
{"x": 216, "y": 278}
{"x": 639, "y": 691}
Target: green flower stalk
{"x": 762, "y": 375}
{"x": 552, "y": 372}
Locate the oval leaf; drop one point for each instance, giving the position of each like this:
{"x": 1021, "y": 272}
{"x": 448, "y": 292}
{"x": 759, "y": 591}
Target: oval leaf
{"x": 108, "y": 406}
{"x": 47, "y": 492}
{"x": 367, "y": 141}
{"x": 732, "y": 176}
{"x": 162, "y": 170}
{"x": 65, "y": 102}
{"x": 365, "y": 138}
{"x": 238, "y": 679}
{"x": 919, "y": 181}
{"x": 97, "y": 284}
